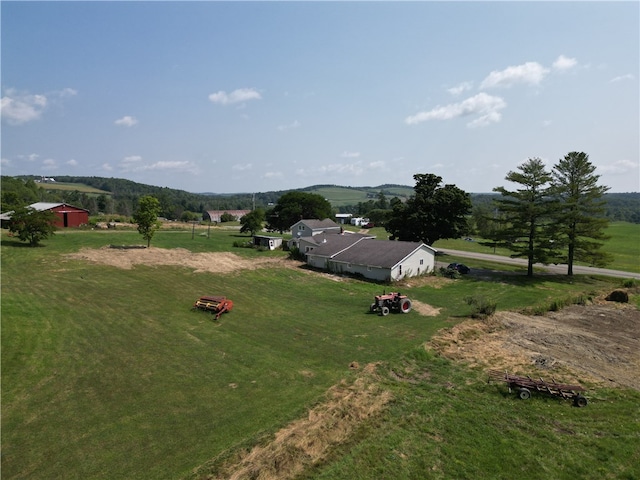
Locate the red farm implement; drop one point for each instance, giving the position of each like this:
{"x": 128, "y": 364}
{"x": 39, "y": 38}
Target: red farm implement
{"x": 215, "y": 305}
{"x": 525, "y": 385}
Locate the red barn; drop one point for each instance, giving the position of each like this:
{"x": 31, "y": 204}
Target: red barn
{"x": 68, "y": 215}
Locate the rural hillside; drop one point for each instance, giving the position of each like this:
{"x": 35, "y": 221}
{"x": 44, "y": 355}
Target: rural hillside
{"x": 119, "y": 196}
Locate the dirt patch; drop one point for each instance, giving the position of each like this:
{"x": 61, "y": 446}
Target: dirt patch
{"x": 306, "y": 441}
{"x": 595, "y": 343}
{"x": 216, "y": 262}
{"x": 424, "y": 309}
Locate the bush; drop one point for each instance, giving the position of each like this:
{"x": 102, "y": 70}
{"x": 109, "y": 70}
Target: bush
{"x": 619, "y": 296}
{"x": 482, "y": 307}
{"x": 296, "y": 254}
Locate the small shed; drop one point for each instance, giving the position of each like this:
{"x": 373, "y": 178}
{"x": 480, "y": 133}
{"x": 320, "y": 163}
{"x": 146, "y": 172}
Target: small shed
{"x": 267, "y": 242}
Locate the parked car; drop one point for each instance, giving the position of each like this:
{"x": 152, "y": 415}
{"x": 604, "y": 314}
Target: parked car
{"x": 369, "y": 225}
{"x": 459, "y": 267}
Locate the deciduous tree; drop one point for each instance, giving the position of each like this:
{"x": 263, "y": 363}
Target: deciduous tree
{"x": 252, "y": 221}
{"x": 31, "y": 225}
{"x": 432, "y": 213}
{"x": 146, "y": 216}
{"x": 580, "y": 220}
{"x": 295, "y": 206}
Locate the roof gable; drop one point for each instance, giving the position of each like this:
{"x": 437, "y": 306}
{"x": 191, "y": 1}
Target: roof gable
{"x": 317, "y": 224}
{"x": 334, "y": 244}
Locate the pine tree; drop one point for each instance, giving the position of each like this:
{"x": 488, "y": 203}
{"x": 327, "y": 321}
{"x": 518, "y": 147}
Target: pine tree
{"x": 526, "y": 214}
{"x": 580, "y": 219}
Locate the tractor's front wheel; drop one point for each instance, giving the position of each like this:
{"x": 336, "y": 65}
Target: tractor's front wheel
{"x": 405, "y": 305}
{"x": 373, "y": 307}
{"x": 384, "y": 311}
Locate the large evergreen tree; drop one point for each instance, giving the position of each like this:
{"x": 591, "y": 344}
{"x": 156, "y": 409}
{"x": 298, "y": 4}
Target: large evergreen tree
{"x": 526, "y": 214}
{"x": 580, "y": 219}
{"x": 432, "y": 213}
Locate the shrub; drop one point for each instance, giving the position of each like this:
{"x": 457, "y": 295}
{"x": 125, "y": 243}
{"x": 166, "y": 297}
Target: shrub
{"x": 618, "y": 296}
{"x": 296, "y": 254}
{"x": 482, "y": 307}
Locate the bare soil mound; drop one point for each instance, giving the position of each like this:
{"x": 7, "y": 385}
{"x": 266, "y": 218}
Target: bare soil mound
{"x": 595, "y": 343}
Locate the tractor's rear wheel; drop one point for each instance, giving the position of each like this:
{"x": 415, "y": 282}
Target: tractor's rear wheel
{"x": 405, "y": 305}
{"x": 384, "y": 311}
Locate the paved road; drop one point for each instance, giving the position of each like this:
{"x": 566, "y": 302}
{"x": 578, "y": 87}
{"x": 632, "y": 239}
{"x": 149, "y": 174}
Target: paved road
{"x": 560, "y": 269}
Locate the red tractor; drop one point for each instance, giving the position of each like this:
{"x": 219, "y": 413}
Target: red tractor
{"x": 388, "y": 302}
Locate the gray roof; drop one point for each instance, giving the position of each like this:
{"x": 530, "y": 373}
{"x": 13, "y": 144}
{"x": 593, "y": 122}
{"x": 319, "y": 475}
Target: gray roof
{"x": 335, "y": 243}
{"x": 383, "y": 253}
{"x": 319, "y": 224}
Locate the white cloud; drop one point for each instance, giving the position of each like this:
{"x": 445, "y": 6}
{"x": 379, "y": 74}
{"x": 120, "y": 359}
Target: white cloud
{"x": 619, "y": 167}
{"x": 49, "y": 164}
{"x": 295, "y": 124}
{"x": 21, "y": 108}
{"x": 242, "y": 168}
{"x": 347, "y": 154}
{"x": 126, "y": 121}
{"x": 132, "y": 159}
{"x": 376, "y": 165}
{"x": 531, "y": 73}
{"x": 487, "y": 106}
{"x": 622, "y": 78}
{"x": 564, "y": 63}
{"x": 177, "y": 166}
{"x": 67, "y": 92}
{"x": 239, "y": 95}
{"x": 72, "y": 163}
{"x": 5, "y": 161}
{"x": 107, "y": 167}
{"x": 462, "y": 87}
{"x": 273, "y": 175}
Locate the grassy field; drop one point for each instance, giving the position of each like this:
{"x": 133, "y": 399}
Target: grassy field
{"x": 624, "y": 245}
{"x": 107, "y": 373}
{"x": 341, "y": 196}
{"x": 80, "y": 187}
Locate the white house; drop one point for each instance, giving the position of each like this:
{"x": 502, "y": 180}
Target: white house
{"x": 376, "y": 260}
{"x": 305, "y": 229}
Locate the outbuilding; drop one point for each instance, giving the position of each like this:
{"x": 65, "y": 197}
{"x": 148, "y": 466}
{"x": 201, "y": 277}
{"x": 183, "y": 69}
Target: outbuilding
{"x": 267, "y": 242}
{"x": 380, "y": 260}
{"x": 67, "y": 215}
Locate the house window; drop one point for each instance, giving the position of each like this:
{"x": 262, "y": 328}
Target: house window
{"x": 400, "y": 270}
{"x": 300, "y": 227}
{"x": 422, "y": 261}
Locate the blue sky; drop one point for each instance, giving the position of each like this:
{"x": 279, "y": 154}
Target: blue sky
{"x": 248, "y": 97}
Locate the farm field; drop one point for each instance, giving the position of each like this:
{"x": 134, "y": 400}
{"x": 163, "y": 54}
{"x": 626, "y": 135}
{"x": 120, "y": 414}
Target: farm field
{"x": 624, "y": 245}
{"x": 107, "y": 373}
{"x": 80, "y": 187}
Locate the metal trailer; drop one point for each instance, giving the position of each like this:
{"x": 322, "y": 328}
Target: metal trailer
{"x": 525, "y": 385}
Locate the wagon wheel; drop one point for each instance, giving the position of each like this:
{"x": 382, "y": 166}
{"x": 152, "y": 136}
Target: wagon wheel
{"x": 524, "y": 393}
{"x": 580, "y": 401}
{"x": 405, "y": 305}
{"x": 384, "y": 311}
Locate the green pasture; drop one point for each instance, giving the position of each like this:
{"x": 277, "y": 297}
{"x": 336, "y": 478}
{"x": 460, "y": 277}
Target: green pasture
{"x": 623, "y": 244}
{"x": 341, "y": 196}
{"x": 72, "y": 187}
{"x": 107, "y": 373}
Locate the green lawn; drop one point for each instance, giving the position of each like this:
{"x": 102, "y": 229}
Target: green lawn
{"x": 107, "y": 373}
{"x": 624, "y": 245}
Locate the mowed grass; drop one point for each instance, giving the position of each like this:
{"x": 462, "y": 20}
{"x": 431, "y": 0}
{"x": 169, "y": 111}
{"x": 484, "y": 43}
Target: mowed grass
{"x": 623, "y": 245}
{"x": 71, "y": 187}
{"x": 107, "y": 373}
